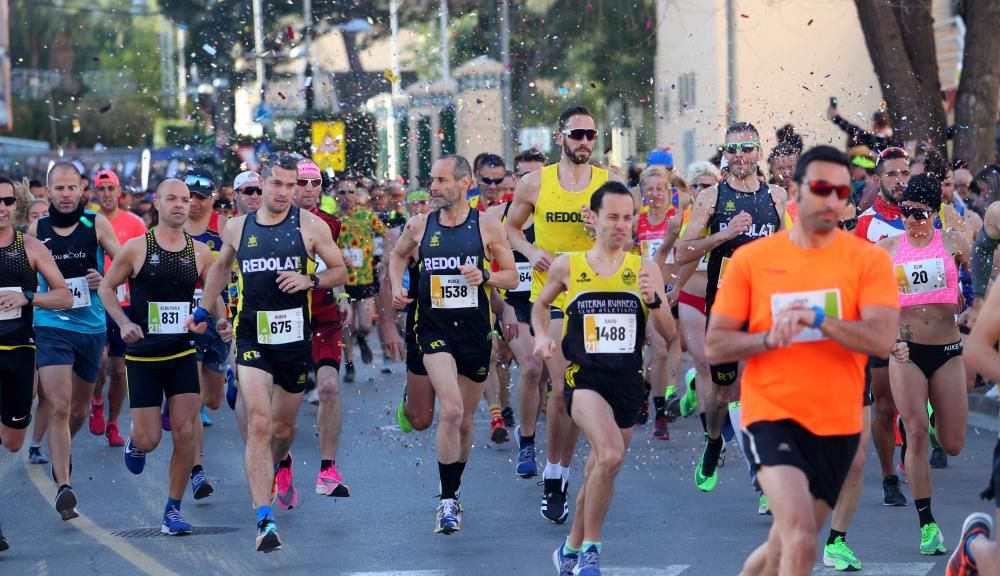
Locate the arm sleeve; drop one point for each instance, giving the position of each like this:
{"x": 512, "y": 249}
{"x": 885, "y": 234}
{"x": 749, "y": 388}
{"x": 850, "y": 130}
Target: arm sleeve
{"x": 733, "y": 298}
{"x": 982, "y": 262}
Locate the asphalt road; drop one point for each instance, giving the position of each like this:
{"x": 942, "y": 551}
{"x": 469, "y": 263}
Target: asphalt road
{"x": 659, "y": 523}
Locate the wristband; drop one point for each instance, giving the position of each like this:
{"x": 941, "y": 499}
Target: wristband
{"x": 486, "y": 275}
{"x": 201, "y": 315}
{"x": 656, "y": 303}
{"x": 820, "y": 316}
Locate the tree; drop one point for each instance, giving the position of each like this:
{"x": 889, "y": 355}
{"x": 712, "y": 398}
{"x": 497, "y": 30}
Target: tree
{"x": 979, "y": 88}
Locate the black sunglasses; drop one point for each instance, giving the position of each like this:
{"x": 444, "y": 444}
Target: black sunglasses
{"x": 745, "y": 147}
{"x": 580, "y": 133}
{"x": 701, "y": 186}
{"x": 491, "y": 181}
{"x": 303, "y": 182}
{"x": 824, "y": 189}
{"x": 199, "y": 181}
{"x": 250, "y": 191}
{"x": 918, "y": 213}
{"x": 8, "y": 200}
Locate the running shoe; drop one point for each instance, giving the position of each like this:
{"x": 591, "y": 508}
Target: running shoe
{"x": 446, "y": 517}
{"x": 660, "y": 430}
{"x": 165, "y": 415}
{"x": 498, "y": 431}
{"x": 135, "y": 459}
{"x": 174, "y": 523}
{"x": 689, "y": 402}
{"x": 35, "y": 455}
{"x": 508, "y": 417}
{"x": 114, "y": 437}
{"x": 706, "y": 473}
{"x": 673, "y": 403}
{"x": 762, "y": 508}
{"x": 267, "y": 536}
{"x": 643, "y": 416}
{"x": 66, "y": 503}
{"x": 939, "y": 458}
{"x": 3, "y": 543}
{"x": 565, "y": 563}
{"x": 891, "y": 494}
{"x": 312, "y": 397}
{"x": 840, "y": 557}
{"x": 205, "y": 420}
{"x": 200, "y": 487}
{"x": 96, "y": 418}
{"x": 589, "y": 563}
{"x": 349, "y": 372}
{"x": 526, "y": 465}
{"x": 329, "y": 483}
{"x": 960, "y": 563}
{"x": 555, "y": 505}
{"x": 231, "y": 387}
{"x": 287, "y": 497}
{"x": 366, "y": 350}
{"x": 401, "y": 419}
{"x": 386, "y": 369}
{"x": 931, "y": 540}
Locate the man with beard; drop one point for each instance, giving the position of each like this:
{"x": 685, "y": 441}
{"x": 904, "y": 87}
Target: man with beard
{"x": 558, "y": 198}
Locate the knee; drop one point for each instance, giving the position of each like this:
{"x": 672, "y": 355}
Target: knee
{"x": 465, "y": 428}
{"x": 885, "y": 411}
{"x": 917, "y": 436}
{"x": 610, "y": 460}
{"x": 451, "y": 414}
{"x": 801, "y": 542}
{"x": 212, "y": 401}
{"x": 725, "y": 394}
{"x": 328, "y": 389}
{"x": 14, "y": 442}
{"x": 145, "y": 441}
{"x": 283, "y": 431}
{"x": 421, "y": 420}
{"x": 258, "y": 425}
{"x": 531, "y": 373}
{"x": 952, "y": 443}
{"x": 58, "y": 409}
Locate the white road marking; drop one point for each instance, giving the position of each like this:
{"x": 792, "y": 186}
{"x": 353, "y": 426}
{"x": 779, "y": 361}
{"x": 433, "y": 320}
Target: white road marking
{"x": 884, "y": 569}
{"x": 670, "y": 570}
{"x": 403, "y": 573}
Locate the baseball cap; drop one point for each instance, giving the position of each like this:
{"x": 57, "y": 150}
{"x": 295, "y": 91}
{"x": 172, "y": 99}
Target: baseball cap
{"x": 200, "y": 181}
{"x": 660, "y": 156}
{"x": 308, "y": 169}
{"x": 244, "y": 178}
{"x": 418, "y": 196}
{"x": 105, "y": 176}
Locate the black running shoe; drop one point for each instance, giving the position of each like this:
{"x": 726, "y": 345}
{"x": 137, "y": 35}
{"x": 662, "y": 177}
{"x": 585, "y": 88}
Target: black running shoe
{"x": 349, "y": 372}
{"x": 366, "y": 350}
{"x": 643, "y": 416}
{"x": 939, "y": 458}
{"x": 66, "y": 503}
{"x": 555, "y": 507}
{"x": 891, "y": 494}
{"x": 508, "y": 417}
{"x": 3, "y": 542}
{"x": 267, "y": 536}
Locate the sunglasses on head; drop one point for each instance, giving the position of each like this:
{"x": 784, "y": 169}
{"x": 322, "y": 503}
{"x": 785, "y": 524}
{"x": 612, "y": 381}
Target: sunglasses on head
{"x": 745, "y": 147}
{"x": 824, "y": 189}
{"x": 918, "y": 213}
{"x": 580, "y": 133}
{"x": 250, "y": 191}
{"x": 199, "y": 181}
{"x": 491, "y": 181}
{"x": 8, "y": 200}
{"x": 303, "y": 182}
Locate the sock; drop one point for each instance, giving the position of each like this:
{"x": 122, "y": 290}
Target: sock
{"x": 924, "y": 510}
{"x": 734, "y": 417}
{"x": 449, "y": 480}
{"x": 459, "y": 469}
{"x": 495, "y": 411}
{"x": 834, "y": 534}
{"x": 715, "y": 443}
{"x": 287, "y": 462}
{"x": 264, "y": 513}
{"x": 63, "y": 486}
{"x": 552, "y": 471}
{"x": 526, "y": 440}
{"x": 587, "y": 544}
{"x": 660, "y": 403}
{"x": 704, "y": 422}
{"x": 564, "y": 473}
{"x": 568, "y": 550}
{"x": 324, "y": 464}
{"x": 38, "y": 444}
{"x": 171, "y": 503}
{"x": 195, "y": 469}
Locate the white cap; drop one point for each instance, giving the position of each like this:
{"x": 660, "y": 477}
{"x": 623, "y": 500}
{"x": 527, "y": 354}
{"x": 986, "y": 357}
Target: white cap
{"x": 244, "y": 178}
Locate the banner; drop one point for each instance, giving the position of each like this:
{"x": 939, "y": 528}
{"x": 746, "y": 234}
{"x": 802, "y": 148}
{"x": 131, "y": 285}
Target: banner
{"x": 329, "y": 147}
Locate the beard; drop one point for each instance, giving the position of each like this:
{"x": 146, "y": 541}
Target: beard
{"x": 580, "y": 157}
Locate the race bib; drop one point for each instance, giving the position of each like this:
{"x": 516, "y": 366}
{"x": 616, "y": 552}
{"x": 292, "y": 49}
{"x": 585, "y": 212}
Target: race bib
{"x": 828, "y": 300}
{"x": 196, "y": 299}
{"x": 702, "y": 264}
{"x": 920, "y": 276}
{"x": 609, "y": 333}
{"x": 14, "y": 313}
{"x": 378, "y": 245}
{"x": 452, "y": 291}
{"x": 167, "y": 317}
{"x": 356, "y": 257}
{"x": 120, "y": 292}
{"x": 722, "y": 271}
{"x": 649, "y": 248}
{"x": 280, "y": 326}
{"x": 523, "y": 277}
{"x": 80, "y": 290}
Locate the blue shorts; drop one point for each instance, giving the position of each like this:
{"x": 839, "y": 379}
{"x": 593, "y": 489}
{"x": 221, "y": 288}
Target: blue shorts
{"x": 58, "y": 347}
{"x": 116, "y": 346}
{"x": 212, "y": 352}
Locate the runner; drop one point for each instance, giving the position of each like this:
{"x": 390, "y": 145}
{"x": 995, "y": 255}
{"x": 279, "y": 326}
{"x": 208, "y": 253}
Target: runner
{"x": 610, "y": 293}
{"x": 452, "y": 321}
{"x": 274, "y": 247}
{"x": 804, "y": 302}
{"x": 359, "y": 228}
{"x": 558, "y": 196}
{"x": 71, "y": 341}
{"x": 527, "y": 162}
{"x": 162, "y": 268}
{"x": 392, "y": 214}
{"x": 22, "y": 260}
{"x": 126, "y": 226}
{"x": 737, "y": 211}
{"x": 490, "y": 174}
{"x": 930, "y": 367}
{"x": 327, "y": 309}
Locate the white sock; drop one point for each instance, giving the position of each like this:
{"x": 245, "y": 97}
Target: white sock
{"x": 734, "y": 417}
{"x": 552, "y": 470}
{"x": 34, "y": 444}
{"x": 564, "y": 473}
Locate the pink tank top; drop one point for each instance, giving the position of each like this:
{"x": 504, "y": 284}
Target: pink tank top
{"x": 925, "y": 275}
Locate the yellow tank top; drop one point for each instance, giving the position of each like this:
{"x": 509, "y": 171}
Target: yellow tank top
{"x": 558, "y": 220}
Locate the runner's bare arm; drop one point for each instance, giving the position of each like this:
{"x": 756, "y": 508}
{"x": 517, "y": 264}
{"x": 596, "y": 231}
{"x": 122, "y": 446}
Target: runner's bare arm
{"x": 121, "y": 270}
{"x": 959, "y": 246}
{"x": 651, "y": 282}
{"x": 409, "y": 241}
{"x": 106, "y": 236}
{"x": 521, "y": 208}
{"x": 58, "y": 296}
{"x": 204, "y": 257}
{"x": 691, "y": 246}
{"x": 498, "y": 250}
{"x": 874, "y": 335}
{"x": 726, "y": 341}
{"x": 780, "y": 197}
{"x": 219, "y": 272}
{"x": 555, "y": 284}
{"x": 323, "y": 246}
{"x": 980, "y": 348}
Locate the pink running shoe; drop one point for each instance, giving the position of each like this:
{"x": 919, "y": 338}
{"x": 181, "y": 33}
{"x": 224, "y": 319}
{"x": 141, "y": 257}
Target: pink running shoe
{"x": 329, "y": 483}
{"x": 286, "y": 496}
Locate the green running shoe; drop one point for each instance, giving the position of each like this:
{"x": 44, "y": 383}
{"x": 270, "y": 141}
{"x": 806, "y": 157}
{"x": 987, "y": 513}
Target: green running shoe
{"x": 762, "y": 508}
{"x": 671, "y": 392}
{"x": 401, "y": 419}
{"x": 839, "y": 556}
{"x": 931, "y": 540}
{"x": 703, "y": 482}
{"x": 689, "y": 402}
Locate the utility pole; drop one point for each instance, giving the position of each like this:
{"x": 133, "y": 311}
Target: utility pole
{"x": 182, "y": 72}
{"x": 307, "y": 12}
{"x": 731, "y": 111}
{"x": 443, "y": 17}
{"x": 508, "y": 124}
{"x": 391, "y": 135}
{"x": 258, "y": 48}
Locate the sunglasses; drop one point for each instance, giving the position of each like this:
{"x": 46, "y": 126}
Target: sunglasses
{"x": 824, "y": 189}
{"x": 250, "y": 191}
{"x": 918, "y": 213}
{"x": 745, "y": 147}
{"x": 491, "y": 181}
{"x": 580, "y": 133}
{"x": 303, "y": 182}
{"x": 199, "y": 181}
{"x": 701, "y": 186}
{"x": 8, "y": 200}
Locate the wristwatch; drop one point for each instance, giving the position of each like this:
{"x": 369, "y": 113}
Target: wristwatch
{"x": 315, "y": 280}
{"x": 486, "y": 275}
{"x": 29, "y": 295}
{"x": 656, "y": 303}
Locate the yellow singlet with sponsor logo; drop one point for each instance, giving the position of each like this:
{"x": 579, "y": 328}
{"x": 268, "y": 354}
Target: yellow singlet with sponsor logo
{"x": 559, "y": 221}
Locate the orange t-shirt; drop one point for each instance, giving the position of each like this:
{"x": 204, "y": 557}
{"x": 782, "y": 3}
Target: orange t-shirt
{"x": 126, "y": 226}
{"x": 815, "y": 381}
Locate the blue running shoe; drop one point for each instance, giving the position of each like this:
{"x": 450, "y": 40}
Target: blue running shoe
{"x": 200, "y": 487}
{"x": 231, "y": 387}
{"x": 446, "y": 517}
{"x": 135, "y": 459}
{"x": 526, "y": 465}
{"x": 267, "y": 536}
{"x": 565, "y": 563}
{"x": 590, "y": 563}
{"x": 174, "y": 524}
{"x": 205, "y": 420}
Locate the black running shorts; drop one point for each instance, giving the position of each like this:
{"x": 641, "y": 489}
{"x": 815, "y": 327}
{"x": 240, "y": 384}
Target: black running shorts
{"x": 17, "y": 386}
{"x": 623, "y": 391}
{"x": 471, "y": 358}
{"x": 149, "y": 380}
{"x": 288, "y": 367}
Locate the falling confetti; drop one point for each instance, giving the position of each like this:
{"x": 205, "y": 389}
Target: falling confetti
{"x": 211, "y": 51}
{"x": 392, "y": 78}
{"x": 309, "y": 81}
{"x": 809, "y": 23}
{"x": 747, "y": 16}
{"x": 105, "y": 109}
{"x": 281, "y": 95}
